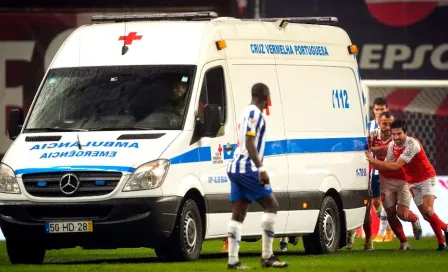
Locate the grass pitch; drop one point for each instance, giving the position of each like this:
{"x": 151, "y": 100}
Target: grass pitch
{"x": 386, "y": 257}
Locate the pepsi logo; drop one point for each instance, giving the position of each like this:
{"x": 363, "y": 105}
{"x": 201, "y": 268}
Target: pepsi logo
{"x": 401, "y": 13}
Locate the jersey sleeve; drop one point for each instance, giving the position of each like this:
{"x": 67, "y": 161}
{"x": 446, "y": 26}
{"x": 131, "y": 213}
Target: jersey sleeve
{"x": 372, "y": 135}
{"x": 411, "y": 149}
{"x": 390, "y": 152}
{"x": 251, "y": 121}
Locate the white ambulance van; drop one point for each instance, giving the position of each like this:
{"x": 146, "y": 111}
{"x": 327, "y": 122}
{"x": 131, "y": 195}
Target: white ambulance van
{"x": 127, "y": 140}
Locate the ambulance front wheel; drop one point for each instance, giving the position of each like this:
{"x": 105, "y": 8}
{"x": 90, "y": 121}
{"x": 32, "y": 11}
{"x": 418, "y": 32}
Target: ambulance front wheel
{"x": 325, "y": 238}
{"x": 22, "y": 251}
{"x": 185, "y": 243}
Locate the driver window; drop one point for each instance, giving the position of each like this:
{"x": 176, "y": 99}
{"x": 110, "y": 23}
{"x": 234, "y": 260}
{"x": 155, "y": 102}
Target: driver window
{"x": 213, "y": 91}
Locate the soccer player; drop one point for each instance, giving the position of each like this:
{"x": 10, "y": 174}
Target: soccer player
{"x": 395, "y": 195}
{"x": 379, "y": 106}
{"x": 385, "y": 233}
{"x": 250, "y": 181}
{"x": 409, "y": 154}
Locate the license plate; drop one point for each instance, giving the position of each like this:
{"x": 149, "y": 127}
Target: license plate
{"x": 68, "y": 227}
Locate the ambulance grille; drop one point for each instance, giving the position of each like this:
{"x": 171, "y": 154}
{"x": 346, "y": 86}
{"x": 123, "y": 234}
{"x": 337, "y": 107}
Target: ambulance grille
{"x": 91, "y": 183}
{"x": 42, "y": 138}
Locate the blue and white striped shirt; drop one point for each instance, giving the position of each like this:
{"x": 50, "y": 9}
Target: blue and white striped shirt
{"x": 371, "y": 126}
{"x": 251, "y": 123}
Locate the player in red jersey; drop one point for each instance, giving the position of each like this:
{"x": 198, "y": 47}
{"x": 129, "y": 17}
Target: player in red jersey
{"x": 408, "y": 153}
{"x": 395, "y": 195}
{"x": 378, "y": 140}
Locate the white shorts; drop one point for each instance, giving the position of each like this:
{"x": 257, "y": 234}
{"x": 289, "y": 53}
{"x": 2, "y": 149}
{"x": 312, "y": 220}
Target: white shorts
{"x": 394, "y": 191}
{"x": 419, "y": 190}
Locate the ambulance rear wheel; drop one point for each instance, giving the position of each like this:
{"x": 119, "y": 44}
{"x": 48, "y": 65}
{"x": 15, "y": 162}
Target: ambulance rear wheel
{"x": 185, "y": 243}
{"x": 325, "y": 239}
{"x": 22, "y": 251}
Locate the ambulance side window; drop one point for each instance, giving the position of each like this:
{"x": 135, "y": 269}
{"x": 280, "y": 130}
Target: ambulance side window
{"x": 213, "y": 91}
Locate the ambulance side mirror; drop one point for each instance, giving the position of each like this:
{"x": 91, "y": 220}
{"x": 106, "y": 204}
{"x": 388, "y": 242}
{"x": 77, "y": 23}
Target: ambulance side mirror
{"x": 212, "y": 120}
{"x": 15, "y": 123}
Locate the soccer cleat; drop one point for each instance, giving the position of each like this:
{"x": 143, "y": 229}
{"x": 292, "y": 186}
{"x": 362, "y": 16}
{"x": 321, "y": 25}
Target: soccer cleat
{"x": 368, "y": 246}
{"x": 389, "y": 236}
{"x": 225, "y": 247}
{"x": 238, "y": 266}
{"x": 446, "y": 236}
{"x": 441, "y": 247}
{"x": 379, "y": 238}
{"x": 273, "y": 261}
{"x": 417, "y": 229}
{"x": 405, "y": 246}
{"x": 294, "y": 241}
{"x": 283, "y": 246}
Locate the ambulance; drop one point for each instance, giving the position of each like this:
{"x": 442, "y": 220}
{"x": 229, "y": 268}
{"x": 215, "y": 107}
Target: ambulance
{"x": 128, "y": 138}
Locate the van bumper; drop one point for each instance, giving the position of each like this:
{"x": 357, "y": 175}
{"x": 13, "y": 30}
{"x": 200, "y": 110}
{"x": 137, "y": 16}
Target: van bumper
{"x": 125, "y": 223}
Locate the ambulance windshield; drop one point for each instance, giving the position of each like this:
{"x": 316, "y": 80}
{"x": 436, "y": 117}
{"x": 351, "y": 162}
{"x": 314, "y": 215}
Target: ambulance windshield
{"x": 112, "y": 98}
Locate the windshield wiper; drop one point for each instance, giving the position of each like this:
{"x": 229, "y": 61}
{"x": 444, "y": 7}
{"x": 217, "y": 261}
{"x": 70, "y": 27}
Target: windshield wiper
{"x": 120, "y": 128}
{"x": 54, "y": 129}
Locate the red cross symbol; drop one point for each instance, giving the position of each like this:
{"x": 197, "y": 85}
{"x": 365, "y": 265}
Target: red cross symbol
{"x": 267, "y": 108}
{"x": 219, "y": 149}
{"x": 130, "y": 38}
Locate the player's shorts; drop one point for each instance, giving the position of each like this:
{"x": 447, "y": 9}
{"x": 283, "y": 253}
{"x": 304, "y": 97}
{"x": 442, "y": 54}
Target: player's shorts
{"x": 375, "y": 186}
{"x": 247, "y": 186}
{"x": 419, "y": 190}
{"x": 394, "y": 191}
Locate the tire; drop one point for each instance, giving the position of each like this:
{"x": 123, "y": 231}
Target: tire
{"x": 24, "y": 252}
{"x": 326, "y": 236}
{"x": 185, "y": 243}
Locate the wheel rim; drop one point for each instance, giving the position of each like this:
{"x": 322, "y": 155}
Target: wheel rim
{"x": 190, "y": 232}
{"x": 329, "y": 227}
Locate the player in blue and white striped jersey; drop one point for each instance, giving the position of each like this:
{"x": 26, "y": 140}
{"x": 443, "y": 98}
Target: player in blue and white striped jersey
{"x": 250, "y": 181}
{"x": 253, "y": 124}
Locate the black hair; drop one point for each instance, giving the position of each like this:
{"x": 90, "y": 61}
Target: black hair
{"x": 260, "y": 92}
{"x": 380, "y": 101}
{"x": 386, "y": 114}
{"x": 400, "y": 124}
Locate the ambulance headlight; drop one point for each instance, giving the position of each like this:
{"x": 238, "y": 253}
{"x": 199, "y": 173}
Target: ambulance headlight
{"x": 148, "y": 176}
{"x": 8, "y": 181}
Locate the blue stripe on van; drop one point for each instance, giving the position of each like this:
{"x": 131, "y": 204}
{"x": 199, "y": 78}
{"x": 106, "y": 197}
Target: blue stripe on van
{"x": 199, "y": 154}
{"x": 282, "y": 147}
{"x": 203, "y": 154}
{"x": 75, "y": 168}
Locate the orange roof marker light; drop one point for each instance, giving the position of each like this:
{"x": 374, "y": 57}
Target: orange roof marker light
{"x": 221, "y": 44}
{"x": 352, "y": 49}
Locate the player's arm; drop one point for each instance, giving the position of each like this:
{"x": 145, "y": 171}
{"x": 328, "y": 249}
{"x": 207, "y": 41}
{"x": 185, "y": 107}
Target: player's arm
{"x": 380, "y": 151}
{"x": 408, "y": 154}
{"x": 251, "y": 133}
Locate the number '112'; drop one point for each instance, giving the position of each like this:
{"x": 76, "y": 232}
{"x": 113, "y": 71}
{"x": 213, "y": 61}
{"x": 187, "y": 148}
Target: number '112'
{"x": 341, "y": 97}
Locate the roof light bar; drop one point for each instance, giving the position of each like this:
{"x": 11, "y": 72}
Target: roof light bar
{"x": 301, "y": 20}
{"x": 203, "y": 15}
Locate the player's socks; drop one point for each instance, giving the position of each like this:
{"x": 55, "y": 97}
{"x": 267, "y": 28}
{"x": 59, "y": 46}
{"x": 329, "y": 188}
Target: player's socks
{"x": 382, "y": 215}
{"x": 367, "y": 230}
{"x": 397, "y": 228}
{"x": 267, "y": 223}
{"x": 411, "y": 217}
{"x": 234, "y": 232}
{"x": 437, "y": 225}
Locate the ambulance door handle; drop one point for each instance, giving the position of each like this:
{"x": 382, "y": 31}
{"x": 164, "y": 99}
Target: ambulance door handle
{"x": 229, "y": 147}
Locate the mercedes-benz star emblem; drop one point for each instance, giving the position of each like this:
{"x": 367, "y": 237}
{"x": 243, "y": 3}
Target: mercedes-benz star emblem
{"x": 69, "y": 184}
